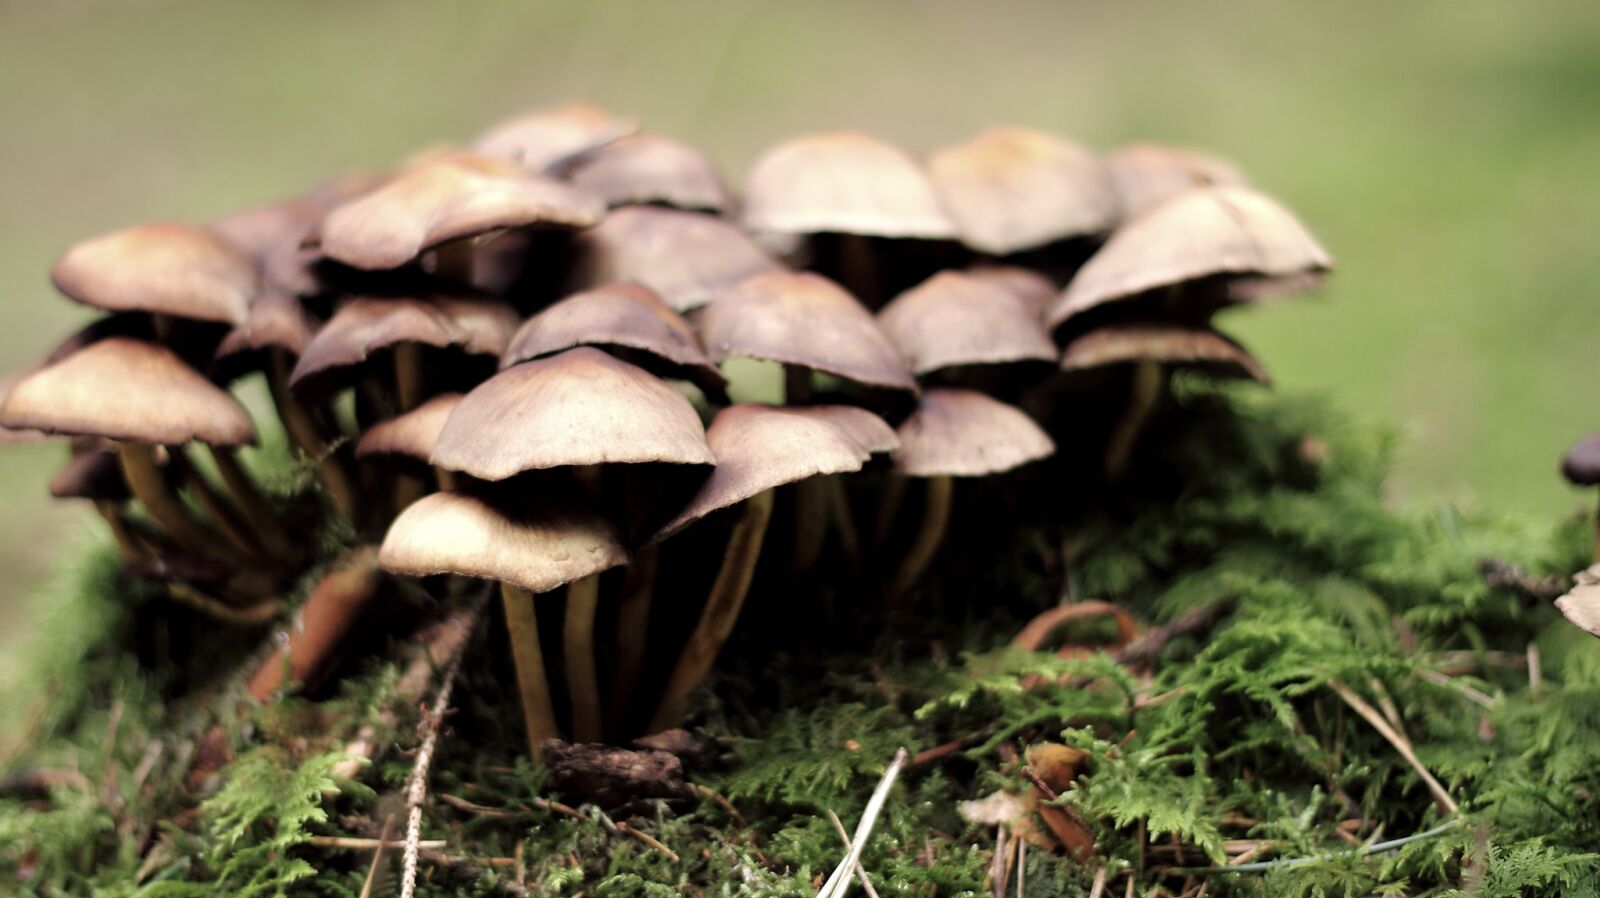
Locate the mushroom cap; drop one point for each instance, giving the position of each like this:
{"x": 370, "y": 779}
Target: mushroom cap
{"x": 1030, "y": 286}
{"x": 367, "y": 324}
{"x": 1206, "y": 231}
{"x": 1581, "y": 604}
{"x": 413, "y": 433}
{"x": 10, "y": 435}
{"x": 871, "y": 433}
{"x": 955, "y": 319}
{"x": 129, "y": 390}
{"x": 1011, "y": 189}
{"x": 1191, "y": 346}
{"x": 273, "y": 233}
{"x": 537, "y": 549}
{"x": 650, "y": 168}
{"x": 800, "y": 318}
{"x": 94, "y": 473}
{"x": 843, "y": 182}
{"x": 1146, "y": 175}
{"x": 168, "y": 268}
{"x": 581, "y": 407}
{"x": 447, "y": 197}
{"x": 760, "y": 447}
{"x": 540, "y": 141}
{"x": 964, "y": 433}
{"x": 275, "y": 321}
{"x": 687, "y": 258}
{"x": 1581, "y": 464}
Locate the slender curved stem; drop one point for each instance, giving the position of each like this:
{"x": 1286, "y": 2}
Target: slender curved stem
{"x": 409, "y": 376}
{"x": 583, "y": 680}
{"x": 1147, "y": 379}
{"x": 842, "y": 520}
{"x": 720, "y": 613}
{"x": 522, "y": 624}
{"x": 633, "y": 632}
{"x": 223, "y": 514}
{"x": 889, "y": 502}
{"x": 127, "y": 541}
{"x": 935, "y": 519}
{"x": 148, "y": 485}
{"x": 263, "y": 520}
{"x": 304, "y": 432}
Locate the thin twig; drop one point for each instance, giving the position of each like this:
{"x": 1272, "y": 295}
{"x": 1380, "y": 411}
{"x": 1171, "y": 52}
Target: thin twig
{"x": 362, "y": 843}
{"x": 1098, "y": 887}
{"x": 545, "y": 804}
{"x": 377, "y": 857}
{"x": 1534, "y": 670}
{"x": 861, "y": 872}
{"x": 1475, "y": 695}
{"x": 1374, "y": 848}
{"x": 417, "y": 787}
{"x": 1400, "y": 743}
{"x": 725, "y": 804}
{"x": 839, "y": 883}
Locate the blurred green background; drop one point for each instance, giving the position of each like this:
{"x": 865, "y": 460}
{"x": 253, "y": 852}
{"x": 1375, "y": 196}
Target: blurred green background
{"x": 1444, "y": 150}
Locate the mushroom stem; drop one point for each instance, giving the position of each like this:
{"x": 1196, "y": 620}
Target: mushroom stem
{"x": 583, "y": 680}
{"x": 1148, "y": 376}
{"x": 307, "y": 436}
{"x": 858, "y": 268}
{"x": 796, "y": 385}
{"x": 522, "y": 625}
{"x": 453, "y": 261}
{"x": 720, "y": 612}
{"x": 127, "y": 543}
{"x": 810, "y": 496}
{"x": 150, "y": 488}
{"x": 889, "y": 501}
{"x": 408, "y": 376}
{"x": 633, "y": 631}
{"x": 263, "y": 521}
{"x": 843, "y": 520}
{"x": 222, "y": 513}
{"x": 935, "y": 519}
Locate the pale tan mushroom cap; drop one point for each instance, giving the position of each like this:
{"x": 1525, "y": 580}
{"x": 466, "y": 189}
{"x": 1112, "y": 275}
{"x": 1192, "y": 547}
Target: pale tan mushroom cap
{"x": 276, "y": 321}
{"x": 964, "y": 433}
{"x": 687, "y": 258}
{"x": 452, "y": 533}
{"x": 843, "y": 182}
{"x": 169, "y": 268}
{"x": 955, "y": 319}
{"x": 414, "y": 433}
{"x": 1581, "y": 604}
{"x": 1146, "y": 175}
{"x": 447, "y": 197}
{"x": 760, "y": 447}
{"x": 129, "y": 390}
{"x": 624, "y": 314}
{"x": 1227, "y": 230}
{"x": 650, "y": 168}
{"x": 871, "y": 434}
{"x": 582, "y": 407}
{"x": 542, "y": 140}
{"x": 10, "y": 435}
{"x": 800, "y": 318}
{"x": 1172, "y": 344}
{"x": 1011, "y": 189}
{"x": 365, "y": 325}
{"x": 1033, "y": 288}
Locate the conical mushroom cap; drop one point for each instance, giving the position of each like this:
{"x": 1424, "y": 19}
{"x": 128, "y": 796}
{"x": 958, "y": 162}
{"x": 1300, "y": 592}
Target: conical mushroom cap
{"x": 871, "y": 434}
{"x": 1033, "y": 288}
{"x": 627, "y": 315}
{"x": 168, "y": 268}
{"x": 275, "y": 321}
{"x": 273, "y": 233}
{"x": 964, "y": 433}
{"x": 1011, "y": 189}
{"x": 1229, "y": 230}
{"x": 365, "y": 325}
{"x": 1147, "y": 175}
{"x": 540, "y": 141}
{"x": 1581, "y": 604}
{"x": 537, "y": 549}
{"x": 414, "y": 433}
{"x": 687, "y": 258}
{"x": 1172, "y": 344}
{"x": 761, "y": 447}
{"x": 94, "y": 474}
{"x": 650, "y": 168}
{"x": 843, "y": 182}
{"x": 128, "y": 390}
{"x": 447, "y": 197}
{"x": 955, "y": 319}
{"x": 799, "y": 318}
{"x": 582, "y": 407}
{"x": 15, "y": 435}
{"x": 1581, "y": 464}
{"x": 486, "y": 323}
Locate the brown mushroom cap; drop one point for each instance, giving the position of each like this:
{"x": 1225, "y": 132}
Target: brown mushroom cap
{"x": 955, "y": 319}
{"x": 964, "y": 433}
{"x": 273, "y": 233}
{"x": 128, "y": 390}
{"x": 1011, "y": 189}
{"x": 582, "y": 407}
{"x": 1581, "y": 604}
{"x": 538, "y": 549}
{"x": 168, "y": 268}
{"x": 367, "y": 324}
{"x": 843, "y": 182}
{"x": 800, "y": 318}
{"x": 542, "y": 140}
{"x": 1147, "y": 175}
{"x": 1227, "y": 230}
{"x": 93, "y": 473}
{"x": 760, "y": 447}
{"x": 872, "y": 434}
{"x": 447, "y": 197}
{"x": 413, "y": 433}
{"x": 10, "y": 435}
{"x": 275, "y": 321}
{"x": 687, "y": 258}
{"x": 650, "y": 168}
{"x": 1581, "y": 464}
{"x": 1174, "y": 344}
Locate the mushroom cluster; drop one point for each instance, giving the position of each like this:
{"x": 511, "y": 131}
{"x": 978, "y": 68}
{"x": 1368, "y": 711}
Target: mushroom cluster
{"x": 503, "y": 363}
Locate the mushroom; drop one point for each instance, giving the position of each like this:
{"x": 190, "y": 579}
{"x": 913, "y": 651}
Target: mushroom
{"x": 1581, "y": 467}
{"x": 412, "y": 434}
{"x": 649, "y": 168}
{"x": 757, "y": 448}
{"x": 1581, "y": 603}
{"x": 540, "y": 547}
{"x": 687, "y": 258}
{"x": 1146, "y": 175}
{"x": 93, "y": 473}
{"x": 957, "y": 433}
{"x": 580, "y": 407}
{"x": 167, "y": 269}
{"x": 956, "y": 319}
{"x": 1015, "y": 189}
{"x": 544, "y": 140}
{"x": 1033, "y": 288}
{"x": 1206, "y": 232}
{"x": 1154, "y": 348}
